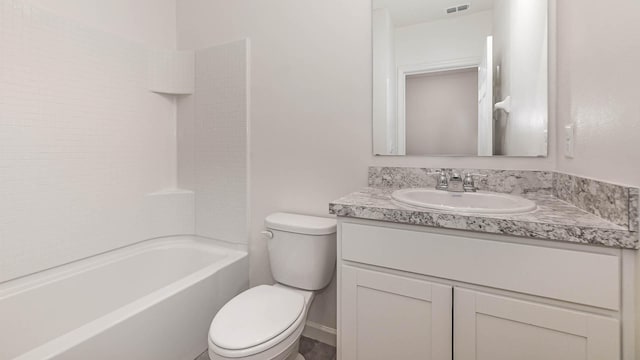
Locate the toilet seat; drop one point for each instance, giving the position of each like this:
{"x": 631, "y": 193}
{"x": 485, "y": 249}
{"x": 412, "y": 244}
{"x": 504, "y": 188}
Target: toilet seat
{"x": 257, "y": 320}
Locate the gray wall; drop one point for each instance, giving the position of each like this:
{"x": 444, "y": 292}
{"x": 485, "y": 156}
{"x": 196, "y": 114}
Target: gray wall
{"x": 442, "y": 113}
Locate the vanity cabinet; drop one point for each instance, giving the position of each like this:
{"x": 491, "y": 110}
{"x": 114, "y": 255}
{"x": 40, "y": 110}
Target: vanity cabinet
{"x": 392, "y": 317}
{"x": 489, "y": 327}
{"x": 412, "y": 292}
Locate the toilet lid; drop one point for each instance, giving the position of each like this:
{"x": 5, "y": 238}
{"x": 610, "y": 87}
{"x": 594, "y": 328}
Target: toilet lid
{"x": 255, "y": 317}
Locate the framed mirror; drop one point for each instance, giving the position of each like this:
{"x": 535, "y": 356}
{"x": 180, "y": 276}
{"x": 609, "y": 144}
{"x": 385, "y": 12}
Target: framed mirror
{"x": 460, "y": 78}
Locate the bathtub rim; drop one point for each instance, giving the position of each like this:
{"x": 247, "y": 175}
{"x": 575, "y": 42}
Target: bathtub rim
{"x": 66, "y": 341}
{"x": 27, "y": 282}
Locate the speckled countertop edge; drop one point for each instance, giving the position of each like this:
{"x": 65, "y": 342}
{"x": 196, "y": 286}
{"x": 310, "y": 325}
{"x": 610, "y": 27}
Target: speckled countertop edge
{"x": 553, "y": 220}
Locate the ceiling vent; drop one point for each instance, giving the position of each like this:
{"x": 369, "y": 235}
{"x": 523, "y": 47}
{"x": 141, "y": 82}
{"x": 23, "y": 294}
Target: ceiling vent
{"x": 459, "y": 8}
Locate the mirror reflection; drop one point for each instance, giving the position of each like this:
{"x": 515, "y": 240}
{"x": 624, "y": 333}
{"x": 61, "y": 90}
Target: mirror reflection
{"x": 460, "y": 78}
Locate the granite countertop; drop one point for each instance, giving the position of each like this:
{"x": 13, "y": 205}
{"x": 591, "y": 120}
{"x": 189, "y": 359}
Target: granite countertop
{"x": 554, "y": 219}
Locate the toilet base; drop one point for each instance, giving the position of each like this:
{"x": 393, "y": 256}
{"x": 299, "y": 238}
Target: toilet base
{"x": 299, "y": 357}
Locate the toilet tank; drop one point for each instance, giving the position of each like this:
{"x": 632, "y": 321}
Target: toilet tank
{"x": 302, "y": 249}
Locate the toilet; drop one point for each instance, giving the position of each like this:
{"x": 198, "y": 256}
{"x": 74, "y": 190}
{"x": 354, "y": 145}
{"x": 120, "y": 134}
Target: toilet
{"x": 265, "y": 322}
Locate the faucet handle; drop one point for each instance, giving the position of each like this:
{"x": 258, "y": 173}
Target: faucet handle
{"x": 443, "y": 180}
{"x": 469, "y": 183}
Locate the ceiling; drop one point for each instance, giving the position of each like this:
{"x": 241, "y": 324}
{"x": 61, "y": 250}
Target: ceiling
{"x": 409, "y": 12}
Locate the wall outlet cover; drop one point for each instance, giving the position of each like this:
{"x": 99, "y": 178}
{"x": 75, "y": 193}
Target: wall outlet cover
{"x": 569, "y": 141}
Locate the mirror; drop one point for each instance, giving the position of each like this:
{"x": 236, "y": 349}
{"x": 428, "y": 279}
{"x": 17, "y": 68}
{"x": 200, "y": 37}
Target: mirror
{"x": 460, "y": 78}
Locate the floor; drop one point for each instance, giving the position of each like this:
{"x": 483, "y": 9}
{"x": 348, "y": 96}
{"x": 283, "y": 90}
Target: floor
{"x": 315, "y": 350}
{"x": 310, "y": 349}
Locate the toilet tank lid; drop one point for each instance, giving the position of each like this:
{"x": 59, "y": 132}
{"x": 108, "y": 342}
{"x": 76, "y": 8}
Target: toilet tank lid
{"x": 301, "y": 224}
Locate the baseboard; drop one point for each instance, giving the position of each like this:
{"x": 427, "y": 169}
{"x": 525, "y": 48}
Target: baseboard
{"x": 319, "y": 332}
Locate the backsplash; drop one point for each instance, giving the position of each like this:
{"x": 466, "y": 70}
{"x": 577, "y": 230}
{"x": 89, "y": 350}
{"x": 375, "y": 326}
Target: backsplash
{"x": 608, "y": 201}
{"x": 615, "y": 203}
{"x": 634, "y": 212}
{"x": 502, "y": 181}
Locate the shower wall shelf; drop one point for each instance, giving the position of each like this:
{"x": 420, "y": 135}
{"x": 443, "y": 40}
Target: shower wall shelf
{"x": 171, "y": 72}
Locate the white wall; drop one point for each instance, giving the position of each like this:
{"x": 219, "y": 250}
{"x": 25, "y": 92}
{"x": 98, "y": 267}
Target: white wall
{"x": 213, "y": 143}
{"x": 151, "y": 22}
{"x": 83, "y": 143}
{"x": 599, "y": 78}
{"x": 458, "y": 37}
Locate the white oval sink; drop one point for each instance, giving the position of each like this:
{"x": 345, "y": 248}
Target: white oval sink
{"x": 468, "y": 202}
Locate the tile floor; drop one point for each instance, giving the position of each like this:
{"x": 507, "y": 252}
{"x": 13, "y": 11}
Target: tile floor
{"x": 315, "y": 350}
{"x": 310, "y": 349}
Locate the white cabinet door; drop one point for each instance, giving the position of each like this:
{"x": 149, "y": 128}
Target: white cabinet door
{"x": 385, "y": 317}
{"x": 488, "y": 327}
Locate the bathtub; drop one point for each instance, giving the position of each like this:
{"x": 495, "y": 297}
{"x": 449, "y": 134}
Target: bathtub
{"x": 154, "y": 300}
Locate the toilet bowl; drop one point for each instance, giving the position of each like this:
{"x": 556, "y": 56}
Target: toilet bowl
{"x": 265, "y": 322}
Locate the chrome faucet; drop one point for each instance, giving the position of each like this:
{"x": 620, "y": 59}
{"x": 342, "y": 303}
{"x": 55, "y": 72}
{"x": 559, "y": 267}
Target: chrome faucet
{"x": 453, "y": 182}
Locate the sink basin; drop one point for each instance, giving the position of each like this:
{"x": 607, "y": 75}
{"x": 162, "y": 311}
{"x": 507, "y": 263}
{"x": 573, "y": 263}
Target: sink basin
{"x": 468, "y": 202}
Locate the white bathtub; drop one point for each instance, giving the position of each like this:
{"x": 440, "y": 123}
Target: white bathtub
{"x": 154, "y": 300}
